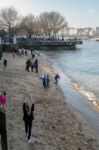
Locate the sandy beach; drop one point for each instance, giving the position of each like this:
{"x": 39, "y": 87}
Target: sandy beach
{"x": 54, "y": 126}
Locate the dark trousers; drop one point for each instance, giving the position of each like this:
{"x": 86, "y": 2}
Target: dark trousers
{"x": 44, "y": 84}
{"x": 28, "y": 127}
{"x": 5, "y": 64}
{"x": 27, "y": 68}
{"x": 36, "y": 69}
{"x": 32, "y": 67}
{"x": 56, "y": 81}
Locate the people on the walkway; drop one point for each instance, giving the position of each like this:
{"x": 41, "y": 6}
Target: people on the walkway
{"x": 56, "y": 78}
{"x": 5, "y": 63}
{"x": 36, "y": 65}
{"x": 32, "y": 53}
{"x": 13, "y": 54}
{"x": 3, "y": 100}
{"x": 28, "y": 119}
{"x": 28, "y": 64}
{"x": 17, "y": 52}
{"x": 26, "y": 53}
{"x": 22, "y": 52}
{"x": 32, "y": 64}
{"x": 45, "y": 80}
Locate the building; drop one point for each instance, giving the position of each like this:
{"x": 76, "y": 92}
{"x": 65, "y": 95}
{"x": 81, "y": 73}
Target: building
{"x": 96, "y": 33}
{"x": 86, "y": 32}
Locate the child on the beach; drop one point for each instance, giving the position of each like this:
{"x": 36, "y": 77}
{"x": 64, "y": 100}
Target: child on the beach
{"x": 3, "y": 99}
{"x": 56, "y": 78}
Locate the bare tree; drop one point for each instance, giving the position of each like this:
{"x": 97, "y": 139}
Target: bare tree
{"x": 45, "y": 24}
{"x": 28, "y": 25}
{"x": 52, "y": 23}
{"x": 37, "y": 28}
{"x": 48, "y": 23}
{"x": 58, "y": 22}
{"x": 8, "y": 19}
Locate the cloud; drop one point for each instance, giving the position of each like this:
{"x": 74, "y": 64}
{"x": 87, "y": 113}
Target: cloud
{"x": 91, "y": 11}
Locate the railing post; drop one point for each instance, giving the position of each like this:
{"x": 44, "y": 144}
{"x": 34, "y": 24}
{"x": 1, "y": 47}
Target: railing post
{"x": 3, "y": 130}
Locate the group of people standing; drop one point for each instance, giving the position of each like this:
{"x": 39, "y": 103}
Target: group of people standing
{"x": 22, "y": 52}
{"x": 46, "y": 80}
{"x": 33, "y": 64}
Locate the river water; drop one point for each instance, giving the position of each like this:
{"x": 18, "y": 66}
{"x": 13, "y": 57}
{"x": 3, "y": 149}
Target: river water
{"x": 79, "y": 71}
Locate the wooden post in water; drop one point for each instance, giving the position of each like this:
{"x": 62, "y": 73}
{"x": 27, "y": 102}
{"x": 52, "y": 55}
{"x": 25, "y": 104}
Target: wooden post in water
{"x": 3, "y": 130}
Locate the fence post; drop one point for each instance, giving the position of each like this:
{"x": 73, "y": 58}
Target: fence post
{"x": 3, "y": 130}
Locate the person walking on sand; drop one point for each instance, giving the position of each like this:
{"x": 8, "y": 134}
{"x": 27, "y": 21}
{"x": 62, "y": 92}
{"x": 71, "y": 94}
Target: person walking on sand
{"x": 43, "y": 77}
{"x": 28, "y": 64}
{"x": 28, "y": 118}
{"x": 13, "y": 54}
{"x": 36, "y": 65}
{"x": 5, "y": 63}
{"x": 47, "y": 80}
{"x": 56, "y": 78}
{"x": 25, "y": 52}
{"x": 32, "y": 64}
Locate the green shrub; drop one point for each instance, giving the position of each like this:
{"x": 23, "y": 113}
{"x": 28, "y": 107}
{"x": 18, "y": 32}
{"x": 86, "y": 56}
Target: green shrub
{"x": 10, "y": 47}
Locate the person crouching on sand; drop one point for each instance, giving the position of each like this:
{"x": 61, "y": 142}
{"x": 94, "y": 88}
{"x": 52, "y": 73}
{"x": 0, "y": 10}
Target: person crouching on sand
{"x": 28, "y": 119}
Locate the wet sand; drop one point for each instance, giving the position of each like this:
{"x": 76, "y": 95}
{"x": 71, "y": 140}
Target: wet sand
{"x": 55, "y": 127}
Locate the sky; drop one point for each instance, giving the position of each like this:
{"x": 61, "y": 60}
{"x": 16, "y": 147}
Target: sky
{"x": 78, "y": 13}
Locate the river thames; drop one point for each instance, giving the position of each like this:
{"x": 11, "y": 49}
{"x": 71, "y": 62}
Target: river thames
{"x": 79, "y": 77}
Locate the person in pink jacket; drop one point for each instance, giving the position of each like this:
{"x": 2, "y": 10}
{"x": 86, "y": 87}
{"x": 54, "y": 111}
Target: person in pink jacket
{"x": 3, "y": 99}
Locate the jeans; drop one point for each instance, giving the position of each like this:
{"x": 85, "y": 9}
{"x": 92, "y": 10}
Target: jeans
{"x": 28, "y": 127}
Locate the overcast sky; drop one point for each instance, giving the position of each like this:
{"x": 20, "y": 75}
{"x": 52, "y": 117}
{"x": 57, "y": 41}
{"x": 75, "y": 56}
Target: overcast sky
{"x": 78, "y": 13}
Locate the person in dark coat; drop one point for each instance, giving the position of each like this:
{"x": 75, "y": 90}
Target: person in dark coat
{"x": 28, "y": 119}
{"x": 5, "y": 63}
{"x": 33, "y": 55}
{"x": 25, "y": 52}
{"x": 32, "y": 64}
{"x": 56, "y": 78}
{"x": 36, "y": 65}
{"x": 28, "y": 64}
